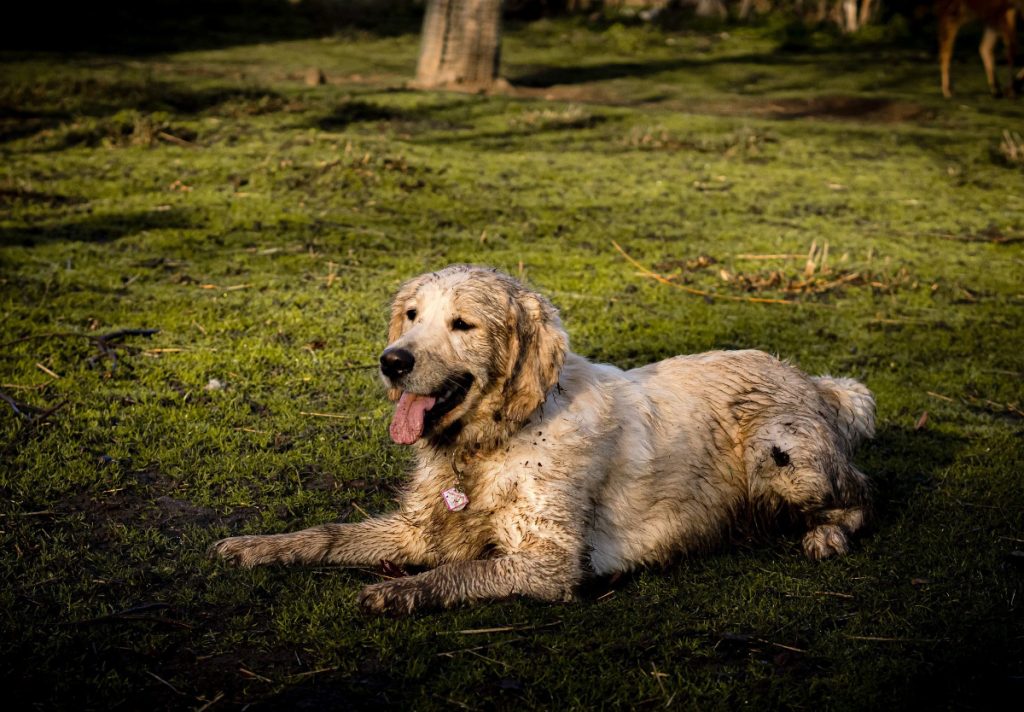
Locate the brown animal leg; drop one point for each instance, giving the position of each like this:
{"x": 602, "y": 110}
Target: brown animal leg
{"x": 366, "y": 543}
{"x": 948, "y": 27}
{"x": 988, "y": 57}
{"x": 1010, "y": 41}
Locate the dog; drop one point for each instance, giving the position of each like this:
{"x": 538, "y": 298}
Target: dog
{"x": 536, "y": 469}
{"x": 1000, "y": 18}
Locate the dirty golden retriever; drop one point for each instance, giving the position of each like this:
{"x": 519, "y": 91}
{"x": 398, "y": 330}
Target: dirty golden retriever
{"x": 536, "y": 468}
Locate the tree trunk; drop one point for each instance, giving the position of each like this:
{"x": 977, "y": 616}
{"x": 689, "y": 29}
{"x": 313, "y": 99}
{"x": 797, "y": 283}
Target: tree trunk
{"x": 461, "y": 44}
{"x": 851, "y": 16}
{"x": 866, "y": 8}
{"x": 711, "y": 8}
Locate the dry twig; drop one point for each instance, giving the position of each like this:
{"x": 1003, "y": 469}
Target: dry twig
{"x": 14, "y": 406}
{"x": 881, "y": 639}
{"x": 104, "y": 342}
{"x": 162, "y": 681}
{"x": 337, "y": 416}
{"x": 503, "y": 629}
{"x": 690, "y": 290}
{"x": 216, "y": 698}
{"x": 176, "y": 140}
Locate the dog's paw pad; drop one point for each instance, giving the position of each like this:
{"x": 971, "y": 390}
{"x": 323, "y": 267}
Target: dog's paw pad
{"x": 825, "y": 541}
{"x": 390, "y": 597}
{"x": 236, "y": 550}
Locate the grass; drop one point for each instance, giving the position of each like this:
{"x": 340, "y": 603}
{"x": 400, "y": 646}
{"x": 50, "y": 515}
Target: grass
{"x": 262, "y": 225}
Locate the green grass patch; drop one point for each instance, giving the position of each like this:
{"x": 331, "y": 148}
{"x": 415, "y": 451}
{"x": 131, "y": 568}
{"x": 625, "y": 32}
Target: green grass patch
{"x": 262, "y": 225}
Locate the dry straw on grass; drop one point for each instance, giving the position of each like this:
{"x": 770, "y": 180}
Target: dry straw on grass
{"x": 817, "y": 277}
{"x": 1011, "y": 148}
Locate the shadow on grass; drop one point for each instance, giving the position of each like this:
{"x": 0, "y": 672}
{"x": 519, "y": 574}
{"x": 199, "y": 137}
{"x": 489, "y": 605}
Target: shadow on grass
{"x": 902, "y": 462}
{"x": 95, "y": 228}
{"x": 11, "y": 196}
{"x": 825, "y": 62}
{"x": 453, "y": 122}
{"x": 548, "y": 76}
{"x": 133, "y": 28}
{"x": 96, "y": 97}
{"x": 449, "y": 115}
{"x": 99, "y": 100}
{"x": 834, "y": 60}
{"x": 354, "y": 112}
{"x": 16, "y": 123}
{"x": 522, "y": 136}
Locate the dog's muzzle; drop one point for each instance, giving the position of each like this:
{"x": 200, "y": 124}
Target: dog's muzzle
{"x": 395, "y": 363}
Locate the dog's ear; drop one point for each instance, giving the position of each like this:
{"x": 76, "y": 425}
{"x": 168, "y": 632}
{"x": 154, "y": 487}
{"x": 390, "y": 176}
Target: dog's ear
{"x": 537, "y": 352}
{"x": 399, "y": 306}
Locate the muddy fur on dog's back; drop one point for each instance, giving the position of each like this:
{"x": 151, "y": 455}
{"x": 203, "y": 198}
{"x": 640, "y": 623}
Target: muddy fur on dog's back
{"x": 573, "y": 468}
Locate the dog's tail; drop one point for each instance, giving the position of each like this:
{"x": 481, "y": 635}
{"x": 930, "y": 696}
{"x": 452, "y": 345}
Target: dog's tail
{"x": 855, "y": 407}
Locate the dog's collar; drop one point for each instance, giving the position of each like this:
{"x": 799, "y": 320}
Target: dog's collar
{"x": 455, "y": 468}
{"x": 454, "y": 497}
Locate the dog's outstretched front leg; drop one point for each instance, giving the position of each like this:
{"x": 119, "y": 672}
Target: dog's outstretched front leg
{"x": 548, "y": 573}
{"x": 391, "y": 537}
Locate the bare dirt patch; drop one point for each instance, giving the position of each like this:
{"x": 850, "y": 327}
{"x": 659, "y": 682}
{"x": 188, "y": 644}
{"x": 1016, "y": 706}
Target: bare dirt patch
{"x": 842, "y": 107}
{"x": 836, "y": 107}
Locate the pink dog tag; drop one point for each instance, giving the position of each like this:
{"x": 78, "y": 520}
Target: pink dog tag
{"x": 455, "y": 500}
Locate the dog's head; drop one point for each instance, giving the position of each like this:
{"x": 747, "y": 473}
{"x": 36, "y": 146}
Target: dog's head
{"x": 469, "y": 346}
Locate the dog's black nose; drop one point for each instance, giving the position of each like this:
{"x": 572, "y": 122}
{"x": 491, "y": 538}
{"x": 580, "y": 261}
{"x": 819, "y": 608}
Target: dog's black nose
{"x": 395, "y": 363}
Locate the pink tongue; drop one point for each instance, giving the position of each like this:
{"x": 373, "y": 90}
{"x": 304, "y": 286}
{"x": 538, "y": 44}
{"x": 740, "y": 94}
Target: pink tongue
{"x": 407, "y": 425}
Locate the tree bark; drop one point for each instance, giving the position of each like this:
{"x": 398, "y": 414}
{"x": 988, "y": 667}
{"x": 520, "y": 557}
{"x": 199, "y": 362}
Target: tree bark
{"x": 461, "y": 44}
{"x": 711, "y": 8}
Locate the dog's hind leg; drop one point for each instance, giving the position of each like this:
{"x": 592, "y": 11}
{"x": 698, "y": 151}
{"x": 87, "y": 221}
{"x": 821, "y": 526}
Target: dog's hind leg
{"x": 544, "y": 571}
{"x": 830, "y": 531}
{"x": 799, "y": 462}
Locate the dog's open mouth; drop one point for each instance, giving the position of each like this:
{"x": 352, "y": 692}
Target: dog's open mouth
{"x": 416, "y": 414}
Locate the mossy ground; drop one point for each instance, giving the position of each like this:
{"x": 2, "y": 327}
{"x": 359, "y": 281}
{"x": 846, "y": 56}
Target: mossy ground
{"x": 261, "y": 225}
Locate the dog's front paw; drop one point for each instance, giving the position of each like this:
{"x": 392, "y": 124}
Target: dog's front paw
{"x": 244, "y": 551}
{"x": 824, "y": 541}
{"x": 396, "y": 598}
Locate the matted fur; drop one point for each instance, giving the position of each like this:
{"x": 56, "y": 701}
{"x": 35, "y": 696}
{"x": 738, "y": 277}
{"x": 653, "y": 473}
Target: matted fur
{"x": 574, "y": 468}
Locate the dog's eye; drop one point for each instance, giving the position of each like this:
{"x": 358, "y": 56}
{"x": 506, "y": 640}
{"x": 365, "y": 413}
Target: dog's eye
{"x": 411, "y": 314}
{"x": 460, "y": 325}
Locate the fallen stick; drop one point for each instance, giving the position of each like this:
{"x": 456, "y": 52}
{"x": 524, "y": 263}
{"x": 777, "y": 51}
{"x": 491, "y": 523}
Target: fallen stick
{"x": 176, "y": 140}
{"x": 164, "y": 682}
{"x": 337, "y": 416}
{"x": 14, "y": 406}
{"x": 880, "y": 639}
{"x": 104, "y": 338}
{"x": 503, "y": 629}
{"x": 783, "y": 256}
{"x": 47, "y": 371}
